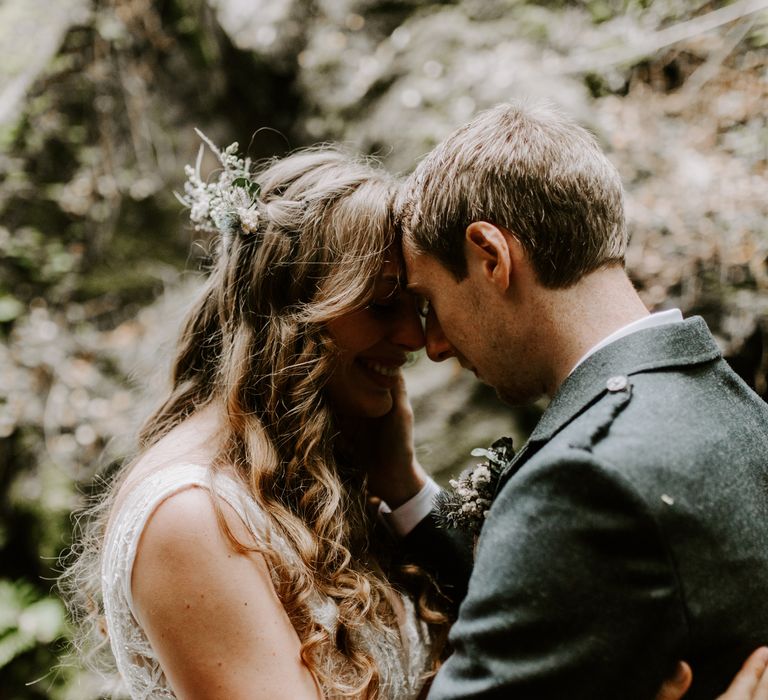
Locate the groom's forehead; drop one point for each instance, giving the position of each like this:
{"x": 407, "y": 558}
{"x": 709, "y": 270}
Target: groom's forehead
{"x": 423, "y": 271}
{"x": 420, "y": 271}
{"x": 410, "y": 264}
{"x": 411, "y": 255}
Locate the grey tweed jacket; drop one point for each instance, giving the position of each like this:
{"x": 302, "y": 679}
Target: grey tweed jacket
{"x": 629, "y": 532}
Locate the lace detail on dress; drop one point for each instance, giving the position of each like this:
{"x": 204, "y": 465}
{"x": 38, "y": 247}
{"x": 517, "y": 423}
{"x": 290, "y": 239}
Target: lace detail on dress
{"x": 402, "y": 663}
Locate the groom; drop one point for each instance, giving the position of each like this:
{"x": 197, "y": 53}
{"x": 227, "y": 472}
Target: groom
{"x": 632, "y": 529}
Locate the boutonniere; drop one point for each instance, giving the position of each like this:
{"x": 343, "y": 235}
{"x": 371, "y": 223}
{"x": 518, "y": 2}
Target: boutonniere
{"x": 466, "y": 503}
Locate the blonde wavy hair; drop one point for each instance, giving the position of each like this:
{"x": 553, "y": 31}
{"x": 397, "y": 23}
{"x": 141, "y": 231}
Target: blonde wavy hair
{"x": 256, "y": 343}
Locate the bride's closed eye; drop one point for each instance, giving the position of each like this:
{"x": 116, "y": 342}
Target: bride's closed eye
{"x": 385, "y": 303}
{"x": 388, "y": 296}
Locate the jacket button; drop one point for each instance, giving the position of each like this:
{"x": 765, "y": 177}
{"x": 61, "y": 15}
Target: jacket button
{"x": 617, "y": 383}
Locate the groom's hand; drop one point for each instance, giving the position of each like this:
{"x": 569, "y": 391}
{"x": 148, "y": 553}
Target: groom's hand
{"x": 384, "y": 448}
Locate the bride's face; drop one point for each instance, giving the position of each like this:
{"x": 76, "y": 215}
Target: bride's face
{"x": 373, "y": 345}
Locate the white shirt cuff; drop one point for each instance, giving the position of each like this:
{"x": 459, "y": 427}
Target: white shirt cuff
{"x": 404, "y": 518}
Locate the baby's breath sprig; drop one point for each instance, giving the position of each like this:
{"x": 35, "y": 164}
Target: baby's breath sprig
{"x": 467, "y": 502}
{"x": 227, "y": 205}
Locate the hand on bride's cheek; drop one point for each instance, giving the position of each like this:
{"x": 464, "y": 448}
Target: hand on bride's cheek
{"x": 383, "y": 447}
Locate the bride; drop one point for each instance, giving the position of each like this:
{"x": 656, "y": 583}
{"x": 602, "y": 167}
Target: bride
{"x": 239, "y": 559}
{"x": 236, "y": 556}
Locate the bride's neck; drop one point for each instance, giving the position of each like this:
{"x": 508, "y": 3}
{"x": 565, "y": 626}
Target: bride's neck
{"x": 196, "y": 440}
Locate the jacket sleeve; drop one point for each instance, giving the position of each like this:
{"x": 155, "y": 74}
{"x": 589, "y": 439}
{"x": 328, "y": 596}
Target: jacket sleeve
{"x": 573, "y": 593}
{"x": 445, "y": 554}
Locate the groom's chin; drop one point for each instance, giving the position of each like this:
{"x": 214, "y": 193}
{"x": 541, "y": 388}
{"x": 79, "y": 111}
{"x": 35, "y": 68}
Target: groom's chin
{"x": 518, "y": 397}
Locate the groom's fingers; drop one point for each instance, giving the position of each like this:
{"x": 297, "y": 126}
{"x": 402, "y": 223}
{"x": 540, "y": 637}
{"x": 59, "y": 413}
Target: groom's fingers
{"x": 675, "y": 687}
{"x": 751, "y": 682}
{"x": 761, "y": 692}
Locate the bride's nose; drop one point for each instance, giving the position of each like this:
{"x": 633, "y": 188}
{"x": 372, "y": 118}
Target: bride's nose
{"x": 407, "y": 330}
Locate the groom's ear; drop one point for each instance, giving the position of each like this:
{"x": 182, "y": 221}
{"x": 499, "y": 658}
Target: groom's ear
{"x": 492, "y": 251}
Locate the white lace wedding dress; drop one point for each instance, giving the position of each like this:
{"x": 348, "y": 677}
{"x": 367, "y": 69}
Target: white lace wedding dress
{"x": 402, "y": 661}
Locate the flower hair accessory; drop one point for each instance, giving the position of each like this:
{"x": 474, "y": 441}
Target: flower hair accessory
{"x": 467, "y": 502}
{"x": 227, "y": 205}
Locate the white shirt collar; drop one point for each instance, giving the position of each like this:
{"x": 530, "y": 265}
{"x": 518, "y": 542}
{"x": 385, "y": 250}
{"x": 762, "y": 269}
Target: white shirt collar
{"x": 660, "y": 318}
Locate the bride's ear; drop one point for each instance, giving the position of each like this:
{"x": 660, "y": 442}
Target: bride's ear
{"x": 491, "y": 251}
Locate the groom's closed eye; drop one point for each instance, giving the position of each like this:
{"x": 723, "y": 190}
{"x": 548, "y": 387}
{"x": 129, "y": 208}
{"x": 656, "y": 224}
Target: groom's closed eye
{"x": 384, "y": 303}
{"x": 422, "y": 305}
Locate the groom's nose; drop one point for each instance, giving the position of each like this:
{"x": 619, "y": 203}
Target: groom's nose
{"x": 438, "y": 346}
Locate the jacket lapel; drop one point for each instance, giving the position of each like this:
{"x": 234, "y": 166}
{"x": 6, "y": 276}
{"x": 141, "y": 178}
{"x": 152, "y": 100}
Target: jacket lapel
{"x": 673, "y": 345}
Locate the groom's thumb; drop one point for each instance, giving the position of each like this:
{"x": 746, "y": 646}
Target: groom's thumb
{"x": 677, "y": 685}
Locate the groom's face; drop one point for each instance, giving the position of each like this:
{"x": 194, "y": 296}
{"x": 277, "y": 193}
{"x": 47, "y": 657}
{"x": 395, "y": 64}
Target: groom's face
{"x": 499, "y": 344}
{"x": 454, "y": 323}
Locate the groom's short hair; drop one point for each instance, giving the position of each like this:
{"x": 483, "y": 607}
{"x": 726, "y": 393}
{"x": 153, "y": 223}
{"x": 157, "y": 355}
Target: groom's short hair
{"x": 530, "y": 169}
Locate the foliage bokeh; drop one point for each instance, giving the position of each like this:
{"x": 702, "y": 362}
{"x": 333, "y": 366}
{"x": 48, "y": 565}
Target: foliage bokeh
{"x": 96, "y": 261}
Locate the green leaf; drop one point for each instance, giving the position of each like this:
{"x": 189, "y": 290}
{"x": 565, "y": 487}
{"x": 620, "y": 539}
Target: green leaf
{"x": 10, "y": 308}
{"x": 248, "y": 185}
{"x": 13, "y": 644}
{"x": 26, "y": 622}
{"x": 44, "y": 620}
{"x": 482, "y": 452}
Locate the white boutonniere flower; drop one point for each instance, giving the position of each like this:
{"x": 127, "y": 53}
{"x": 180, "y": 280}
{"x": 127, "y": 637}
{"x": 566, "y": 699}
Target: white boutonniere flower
{"x": 466, "y": 503}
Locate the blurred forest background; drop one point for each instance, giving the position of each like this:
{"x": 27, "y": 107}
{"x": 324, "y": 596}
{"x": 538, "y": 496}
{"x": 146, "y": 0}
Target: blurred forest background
{"x": 98, "y": 100}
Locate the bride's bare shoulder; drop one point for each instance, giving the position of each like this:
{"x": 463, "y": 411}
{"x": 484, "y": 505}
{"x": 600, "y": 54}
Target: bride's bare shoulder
{"x": 200, "y": 602}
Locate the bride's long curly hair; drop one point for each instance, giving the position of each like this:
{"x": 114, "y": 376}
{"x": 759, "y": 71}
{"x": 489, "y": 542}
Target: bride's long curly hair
{"x": 256, "y": 343}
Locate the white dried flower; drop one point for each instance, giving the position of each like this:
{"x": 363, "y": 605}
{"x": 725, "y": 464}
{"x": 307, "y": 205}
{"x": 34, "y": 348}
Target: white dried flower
{"x": 470, "y": 500}
{"x": 249, "y": 219}
{"x": 481, "y": 475}
{"x": 227, "y": 204}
